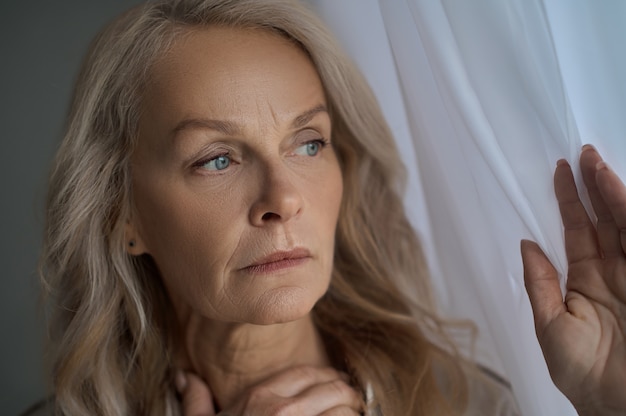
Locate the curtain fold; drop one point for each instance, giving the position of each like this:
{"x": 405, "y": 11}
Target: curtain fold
{"x": 478, "y": 97}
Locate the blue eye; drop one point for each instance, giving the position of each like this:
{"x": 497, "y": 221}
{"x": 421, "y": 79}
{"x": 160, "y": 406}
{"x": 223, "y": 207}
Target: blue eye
{"x": 309, "y": 149}
{"x": 217, "y": 163}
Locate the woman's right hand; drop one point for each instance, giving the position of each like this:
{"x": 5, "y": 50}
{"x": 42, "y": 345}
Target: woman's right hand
{"x": 297, "y": 391}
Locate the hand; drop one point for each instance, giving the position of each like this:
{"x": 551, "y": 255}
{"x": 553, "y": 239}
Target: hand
{"x": 296, "y": 391}
{"x": 584, "y": 338}
{"x": 195, "y": 395}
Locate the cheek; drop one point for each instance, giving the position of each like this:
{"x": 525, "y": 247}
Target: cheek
{"x": 325, "y": 200}
{"x": 191, "y": 237}
{"x": 173, "y": 225}
{"x": 329, "y": 199}
{"x": 180, "y": 215}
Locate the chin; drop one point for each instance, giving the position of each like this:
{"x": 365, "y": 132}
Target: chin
{"x": 284, "y": 305}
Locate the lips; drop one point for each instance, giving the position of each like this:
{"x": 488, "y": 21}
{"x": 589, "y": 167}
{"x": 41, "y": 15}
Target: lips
{"x": 279, "y": 260}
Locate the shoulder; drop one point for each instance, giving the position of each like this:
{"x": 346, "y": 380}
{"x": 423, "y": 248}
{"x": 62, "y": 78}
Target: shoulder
{"x": 489, "y": 394}
{"x": 43, "y": 407}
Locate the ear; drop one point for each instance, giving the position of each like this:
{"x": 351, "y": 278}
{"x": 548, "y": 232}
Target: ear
{"x": 135, "y": 245}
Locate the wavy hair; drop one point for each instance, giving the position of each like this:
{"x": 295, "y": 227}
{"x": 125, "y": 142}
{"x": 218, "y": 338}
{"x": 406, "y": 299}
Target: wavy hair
{"x": 110, "y": 326}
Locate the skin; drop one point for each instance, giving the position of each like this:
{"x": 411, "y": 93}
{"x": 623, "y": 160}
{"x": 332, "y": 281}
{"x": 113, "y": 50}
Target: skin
{"x": 583, "y": 335}
{"x": 252, "y": 99}
{"x": 249, "y": 342}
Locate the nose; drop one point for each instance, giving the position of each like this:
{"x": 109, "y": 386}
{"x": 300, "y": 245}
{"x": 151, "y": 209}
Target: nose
{"x": 278, "y": 200}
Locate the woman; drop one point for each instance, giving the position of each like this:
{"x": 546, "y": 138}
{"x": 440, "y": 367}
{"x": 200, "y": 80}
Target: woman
{"x": 224, "y": 220}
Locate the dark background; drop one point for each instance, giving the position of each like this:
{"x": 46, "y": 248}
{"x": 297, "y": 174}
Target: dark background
{"x": 41, "y": 46}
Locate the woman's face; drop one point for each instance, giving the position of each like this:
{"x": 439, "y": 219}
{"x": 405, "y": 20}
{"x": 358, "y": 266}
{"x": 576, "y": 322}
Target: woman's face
{"x": 236, "y": 187}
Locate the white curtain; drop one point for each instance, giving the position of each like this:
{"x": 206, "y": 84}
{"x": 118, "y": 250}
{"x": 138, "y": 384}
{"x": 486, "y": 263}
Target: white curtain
{"x": 483, "y": 97}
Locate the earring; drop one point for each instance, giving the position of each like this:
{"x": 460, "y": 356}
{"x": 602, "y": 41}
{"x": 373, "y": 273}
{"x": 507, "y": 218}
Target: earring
{"x": 131, "y": 243}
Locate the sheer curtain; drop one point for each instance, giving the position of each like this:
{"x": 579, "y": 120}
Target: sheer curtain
{"x": 483, "y": 98}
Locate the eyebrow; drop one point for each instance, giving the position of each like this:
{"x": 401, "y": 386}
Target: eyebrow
{"x": 229, "y": 128}
{"x": 304, "y": 118}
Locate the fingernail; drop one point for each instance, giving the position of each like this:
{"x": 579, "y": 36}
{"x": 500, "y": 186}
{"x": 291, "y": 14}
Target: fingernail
{"x": 180, "y": 381}
{"x": 562, "y": 162}
{"x": 589, "y": 147}
{"x": 602, "y": 165}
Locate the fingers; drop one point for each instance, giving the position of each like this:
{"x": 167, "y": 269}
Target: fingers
{"x": 293, "y": 381}
{"x": 613, "y": 191}
{"x": 333, "y": 395}
{"x": 608, "y": 230}
{"x": 542, "y": 285}
{"x": 580, "y": 234}
{"x": 304, "y": 391}
{"x": 195, "y": 394}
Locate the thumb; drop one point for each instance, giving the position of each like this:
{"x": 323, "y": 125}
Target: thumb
{"x": 542, "y": 285}
{"x": 195, "y": 394}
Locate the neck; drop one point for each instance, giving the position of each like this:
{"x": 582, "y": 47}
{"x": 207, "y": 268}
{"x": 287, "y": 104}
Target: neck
{"x": 234, "y": 357}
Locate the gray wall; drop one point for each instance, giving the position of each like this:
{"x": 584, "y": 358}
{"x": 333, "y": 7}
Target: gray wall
{"x": 41, "y": 45}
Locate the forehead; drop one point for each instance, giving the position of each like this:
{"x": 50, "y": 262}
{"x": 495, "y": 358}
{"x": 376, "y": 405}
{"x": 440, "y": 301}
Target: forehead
{"x": 228, "y": 72}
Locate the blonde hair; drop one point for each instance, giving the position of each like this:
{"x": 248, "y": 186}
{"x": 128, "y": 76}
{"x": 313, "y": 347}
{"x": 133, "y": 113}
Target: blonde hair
{"x": 110, "y": 327}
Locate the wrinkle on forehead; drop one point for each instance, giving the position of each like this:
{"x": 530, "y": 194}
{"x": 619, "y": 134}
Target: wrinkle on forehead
{"x": 244, "y": 83}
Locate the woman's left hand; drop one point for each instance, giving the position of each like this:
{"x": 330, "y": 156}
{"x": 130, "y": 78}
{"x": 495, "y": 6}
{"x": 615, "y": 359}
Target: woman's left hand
{"x": 195, "y": 395}
{"x": 584, "y": 337}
